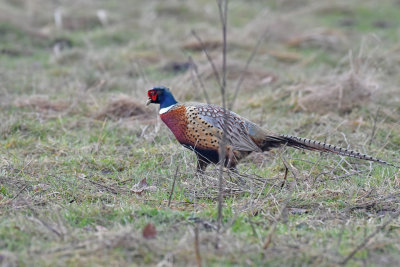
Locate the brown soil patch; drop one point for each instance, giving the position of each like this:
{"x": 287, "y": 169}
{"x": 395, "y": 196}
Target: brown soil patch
{"x": 124, "y": 107}
{"x": 42, "y": 104}
{"x": 331, "y": 39}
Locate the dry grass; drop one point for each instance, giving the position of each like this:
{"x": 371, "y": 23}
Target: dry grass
{"x": 338, "y": 94}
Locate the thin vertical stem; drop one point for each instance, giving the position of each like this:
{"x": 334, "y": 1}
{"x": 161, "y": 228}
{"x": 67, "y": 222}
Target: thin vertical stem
{"x": 173, "y": 186}
{"x": 223, "y": 8}
{"x": 197, "y": 246}
{"x": 244, "y": 71}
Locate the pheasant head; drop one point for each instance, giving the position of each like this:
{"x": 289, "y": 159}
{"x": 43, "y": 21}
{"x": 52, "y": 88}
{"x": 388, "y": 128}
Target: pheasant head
{"x": 161, "y": 95}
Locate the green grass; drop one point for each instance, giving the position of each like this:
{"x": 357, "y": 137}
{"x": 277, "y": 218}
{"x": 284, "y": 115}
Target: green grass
{"x": 66, "y": 173}
{"x": 381, "y": 20}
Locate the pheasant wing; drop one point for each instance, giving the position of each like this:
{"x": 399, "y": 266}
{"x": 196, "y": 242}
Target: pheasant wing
{"x": 237, "y": 133}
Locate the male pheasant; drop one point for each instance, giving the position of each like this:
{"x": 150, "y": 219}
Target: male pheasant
{"x": 199, "y": 127}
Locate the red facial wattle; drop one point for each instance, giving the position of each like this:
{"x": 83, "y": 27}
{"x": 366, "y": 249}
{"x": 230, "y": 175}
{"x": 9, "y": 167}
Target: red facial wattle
{"x": 152, "y": 95}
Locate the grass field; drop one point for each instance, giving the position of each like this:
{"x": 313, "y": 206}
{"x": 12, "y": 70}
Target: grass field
{"x": 76, "y": 138}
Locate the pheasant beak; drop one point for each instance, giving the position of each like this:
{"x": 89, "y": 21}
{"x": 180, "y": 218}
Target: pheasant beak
{"x": 148, "y": 102}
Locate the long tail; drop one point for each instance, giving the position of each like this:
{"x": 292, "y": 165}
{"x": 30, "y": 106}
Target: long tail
{"x": 298, "y": 142}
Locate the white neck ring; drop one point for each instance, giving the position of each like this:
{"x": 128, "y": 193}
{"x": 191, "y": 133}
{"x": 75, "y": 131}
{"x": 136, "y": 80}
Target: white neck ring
{"x": 165, "y": 110}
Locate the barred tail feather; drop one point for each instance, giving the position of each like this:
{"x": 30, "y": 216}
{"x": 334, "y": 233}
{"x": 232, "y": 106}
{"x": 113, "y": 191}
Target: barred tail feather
{"x": 298, "y": 142}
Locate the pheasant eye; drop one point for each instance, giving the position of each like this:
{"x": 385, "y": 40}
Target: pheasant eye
{"x": 152, "y": 94}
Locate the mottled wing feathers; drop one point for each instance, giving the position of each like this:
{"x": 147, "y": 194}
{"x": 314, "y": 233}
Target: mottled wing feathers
{"x": 207, "y": 122}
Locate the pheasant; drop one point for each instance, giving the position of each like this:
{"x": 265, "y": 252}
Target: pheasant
{"x": 199, "y": 127}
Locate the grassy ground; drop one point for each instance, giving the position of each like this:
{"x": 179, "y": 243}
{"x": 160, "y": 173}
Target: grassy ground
{"x": 75, "y": 137}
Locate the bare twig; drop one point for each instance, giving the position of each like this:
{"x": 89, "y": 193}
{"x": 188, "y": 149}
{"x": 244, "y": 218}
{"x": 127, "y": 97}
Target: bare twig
{"x": 19, "y": 192}
{"x": 108, "y": 188}
{"x": 197, "y": 246}
{"x": 285, "y": 177}
{"x": 45, "y": 224}
{"x": 327, "y": 172}
{"x": 244, "y": 71}
{"x": 17, "y": 195}
{"x": 368, "y": 238}
{"x": 374, "y": 202}
{"x": 223, "y": 10}
{"x": 23, "y": 168}
{"x": 203, "y": 47}
{"x": 194, "y": 69}
{"x": 173, "y": 186}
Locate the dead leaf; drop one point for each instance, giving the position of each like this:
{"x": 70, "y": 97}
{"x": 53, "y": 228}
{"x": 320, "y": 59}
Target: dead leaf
{"x": 149, "y": 231}
{"x": 142, "y": 186}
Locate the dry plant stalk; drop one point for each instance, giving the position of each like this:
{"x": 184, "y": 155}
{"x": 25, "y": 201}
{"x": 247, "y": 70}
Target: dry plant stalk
{"x": 244, "y": 71}
{"x": 223, "y": 14}
{"x": 222, "y": 8}
{"x": 194, "y": 68}
{"x": 209, "y": 58}
{"x": 197, "y": 246}
{"x": 173, "y": 186}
